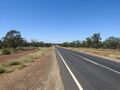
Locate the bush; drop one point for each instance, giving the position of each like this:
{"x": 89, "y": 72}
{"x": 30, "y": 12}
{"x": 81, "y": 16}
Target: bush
{"x": 2, "y": 70}
{"x": 6, "y": 52}
{"x": 15, "y": 63}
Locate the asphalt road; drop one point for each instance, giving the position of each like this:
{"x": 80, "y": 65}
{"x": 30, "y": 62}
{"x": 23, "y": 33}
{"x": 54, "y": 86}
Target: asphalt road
{"x": 81, "y": 71}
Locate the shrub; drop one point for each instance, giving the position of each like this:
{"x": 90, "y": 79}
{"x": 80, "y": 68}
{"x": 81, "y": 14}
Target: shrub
{"x": 6, "y": 52}
{"x": 21, "y": 66}
{"x": 2, "y": 70}
{"x": 15, "y": 63}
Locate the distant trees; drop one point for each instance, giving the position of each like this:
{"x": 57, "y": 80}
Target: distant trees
{"x": 112, "y": 43}
{"x": 35, "y": 43}
{"x": 13, "y": 39}
{"x": 87, "y": 43}
{"x": 66, "y": 44}
{"x": 75, "y": 43}
{"x": 72, "y": 44}
{"x": 95, "y": 42}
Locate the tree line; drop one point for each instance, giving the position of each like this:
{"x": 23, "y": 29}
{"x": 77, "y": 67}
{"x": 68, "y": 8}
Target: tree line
{"x": 95, "y": 41}
{"x": 14, "y": 39}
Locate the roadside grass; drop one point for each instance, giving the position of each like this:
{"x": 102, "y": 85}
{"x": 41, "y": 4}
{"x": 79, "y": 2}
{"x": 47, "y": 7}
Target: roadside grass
{"x": 2, "y": 69}
{"x": 21, "y": 62}
{"x": 0, "y": 51}
{"x": 115, "y": 56}
{"x": 12, "y": 63}
{"x": 16, "y": 50}
{"x": 112, "y": 53}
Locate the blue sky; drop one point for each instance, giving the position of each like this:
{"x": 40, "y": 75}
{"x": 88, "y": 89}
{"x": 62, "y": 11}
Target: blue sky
{"x": 60, "y": 20}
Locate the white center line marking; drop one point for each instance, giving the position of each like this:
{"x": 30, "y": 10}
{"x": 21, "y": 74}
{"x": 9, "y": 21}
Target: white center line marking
{"x": 97, "y": 63}
{"x": 71, "y": 73}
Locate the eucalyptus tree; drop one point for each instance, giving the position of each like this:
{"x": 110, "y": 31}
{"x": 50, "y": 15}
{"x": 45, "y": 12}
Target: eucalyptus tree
{"x": 13, "y": 39}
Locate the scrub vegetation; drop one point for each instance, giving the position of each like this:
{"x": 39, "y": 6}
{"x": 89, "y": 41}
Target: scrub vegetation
{"x": 21, "y": 62}
{"x": 13, "y": 43}
{"x": 95, "y": 41}
{"x": 94, "y": 44}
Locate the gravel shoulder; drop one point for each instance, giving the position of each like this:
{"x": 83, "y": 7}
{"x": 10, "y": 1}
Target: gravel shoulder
{"x": 43, "y": 74}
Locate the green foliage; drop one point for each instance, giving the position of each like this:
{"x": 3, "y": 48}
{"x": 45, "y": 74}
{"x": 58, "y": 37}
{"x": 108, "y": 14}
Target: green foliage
{"x": 72, "y": 44}
{"x": 112, "y": 43}
{"x": 6, "y": 52}
{"x": 89, "y": 42}
{"x": 0, "y": 44}
{"x": 35, "y": 43}
{"x": 21, "y": 62}
{"x": 95, "y": 42}
{"x": 15, "y": 63}
{"x": 65, "y": 44}
{"x": 13, "y": 39}
{"x": 2, "y": 70}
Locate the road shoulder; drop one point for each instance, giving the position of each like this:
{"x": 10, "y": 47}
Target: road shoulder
{"x": 96, "y": 55}
{"x": 43, "y": 74}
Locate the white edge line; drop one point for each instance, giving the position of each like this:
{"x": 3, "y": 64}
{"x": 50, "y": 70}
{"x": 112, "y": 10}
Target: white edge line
{"x": 98, "y": 64}
{"x": 73, "y": 76}
{"x": 103, "y": 66}
{"x": 106, "y": 58}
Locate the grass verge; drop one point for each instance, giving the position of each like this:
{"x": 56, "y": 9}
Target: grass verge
{"x": 112, "y": 53}
{"x": 21, "y": 62}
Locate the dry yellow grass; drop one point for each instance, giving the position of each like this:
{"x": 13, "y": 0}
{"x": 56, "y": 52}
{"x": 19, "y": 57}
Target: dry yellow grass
{"x": 21, "y": 62}
{"x": 103, "y": 52}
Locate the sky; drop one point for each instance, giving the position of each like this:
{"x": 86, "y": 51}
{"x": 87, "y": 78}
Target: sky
{"x": 58, "y": 21}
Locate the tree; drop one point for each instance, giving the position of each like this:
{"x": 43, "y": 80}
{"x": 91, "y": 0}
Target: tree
{"x": 65, "y": 44}
{"x": 41, "y": 44}
{"x": 47, "y": 44}
{"x": 34, "y": 43}
{"x": 112, "y": 42}
{"x": 84, "y": 43}
{"x": 89, "y": 42}
{"x": 96, "y": 40}
{"x": 73, "y": 44}
{"x": 78, "y": 43}
{"x": 0, "y": 44}
{"x": 13, "y": 39}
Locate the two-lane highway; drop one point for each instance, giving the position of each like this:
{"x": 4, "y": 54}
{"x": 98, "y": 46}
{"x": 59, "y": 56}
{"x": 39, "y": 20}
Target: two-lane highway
{"x": 81, "y": 71}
